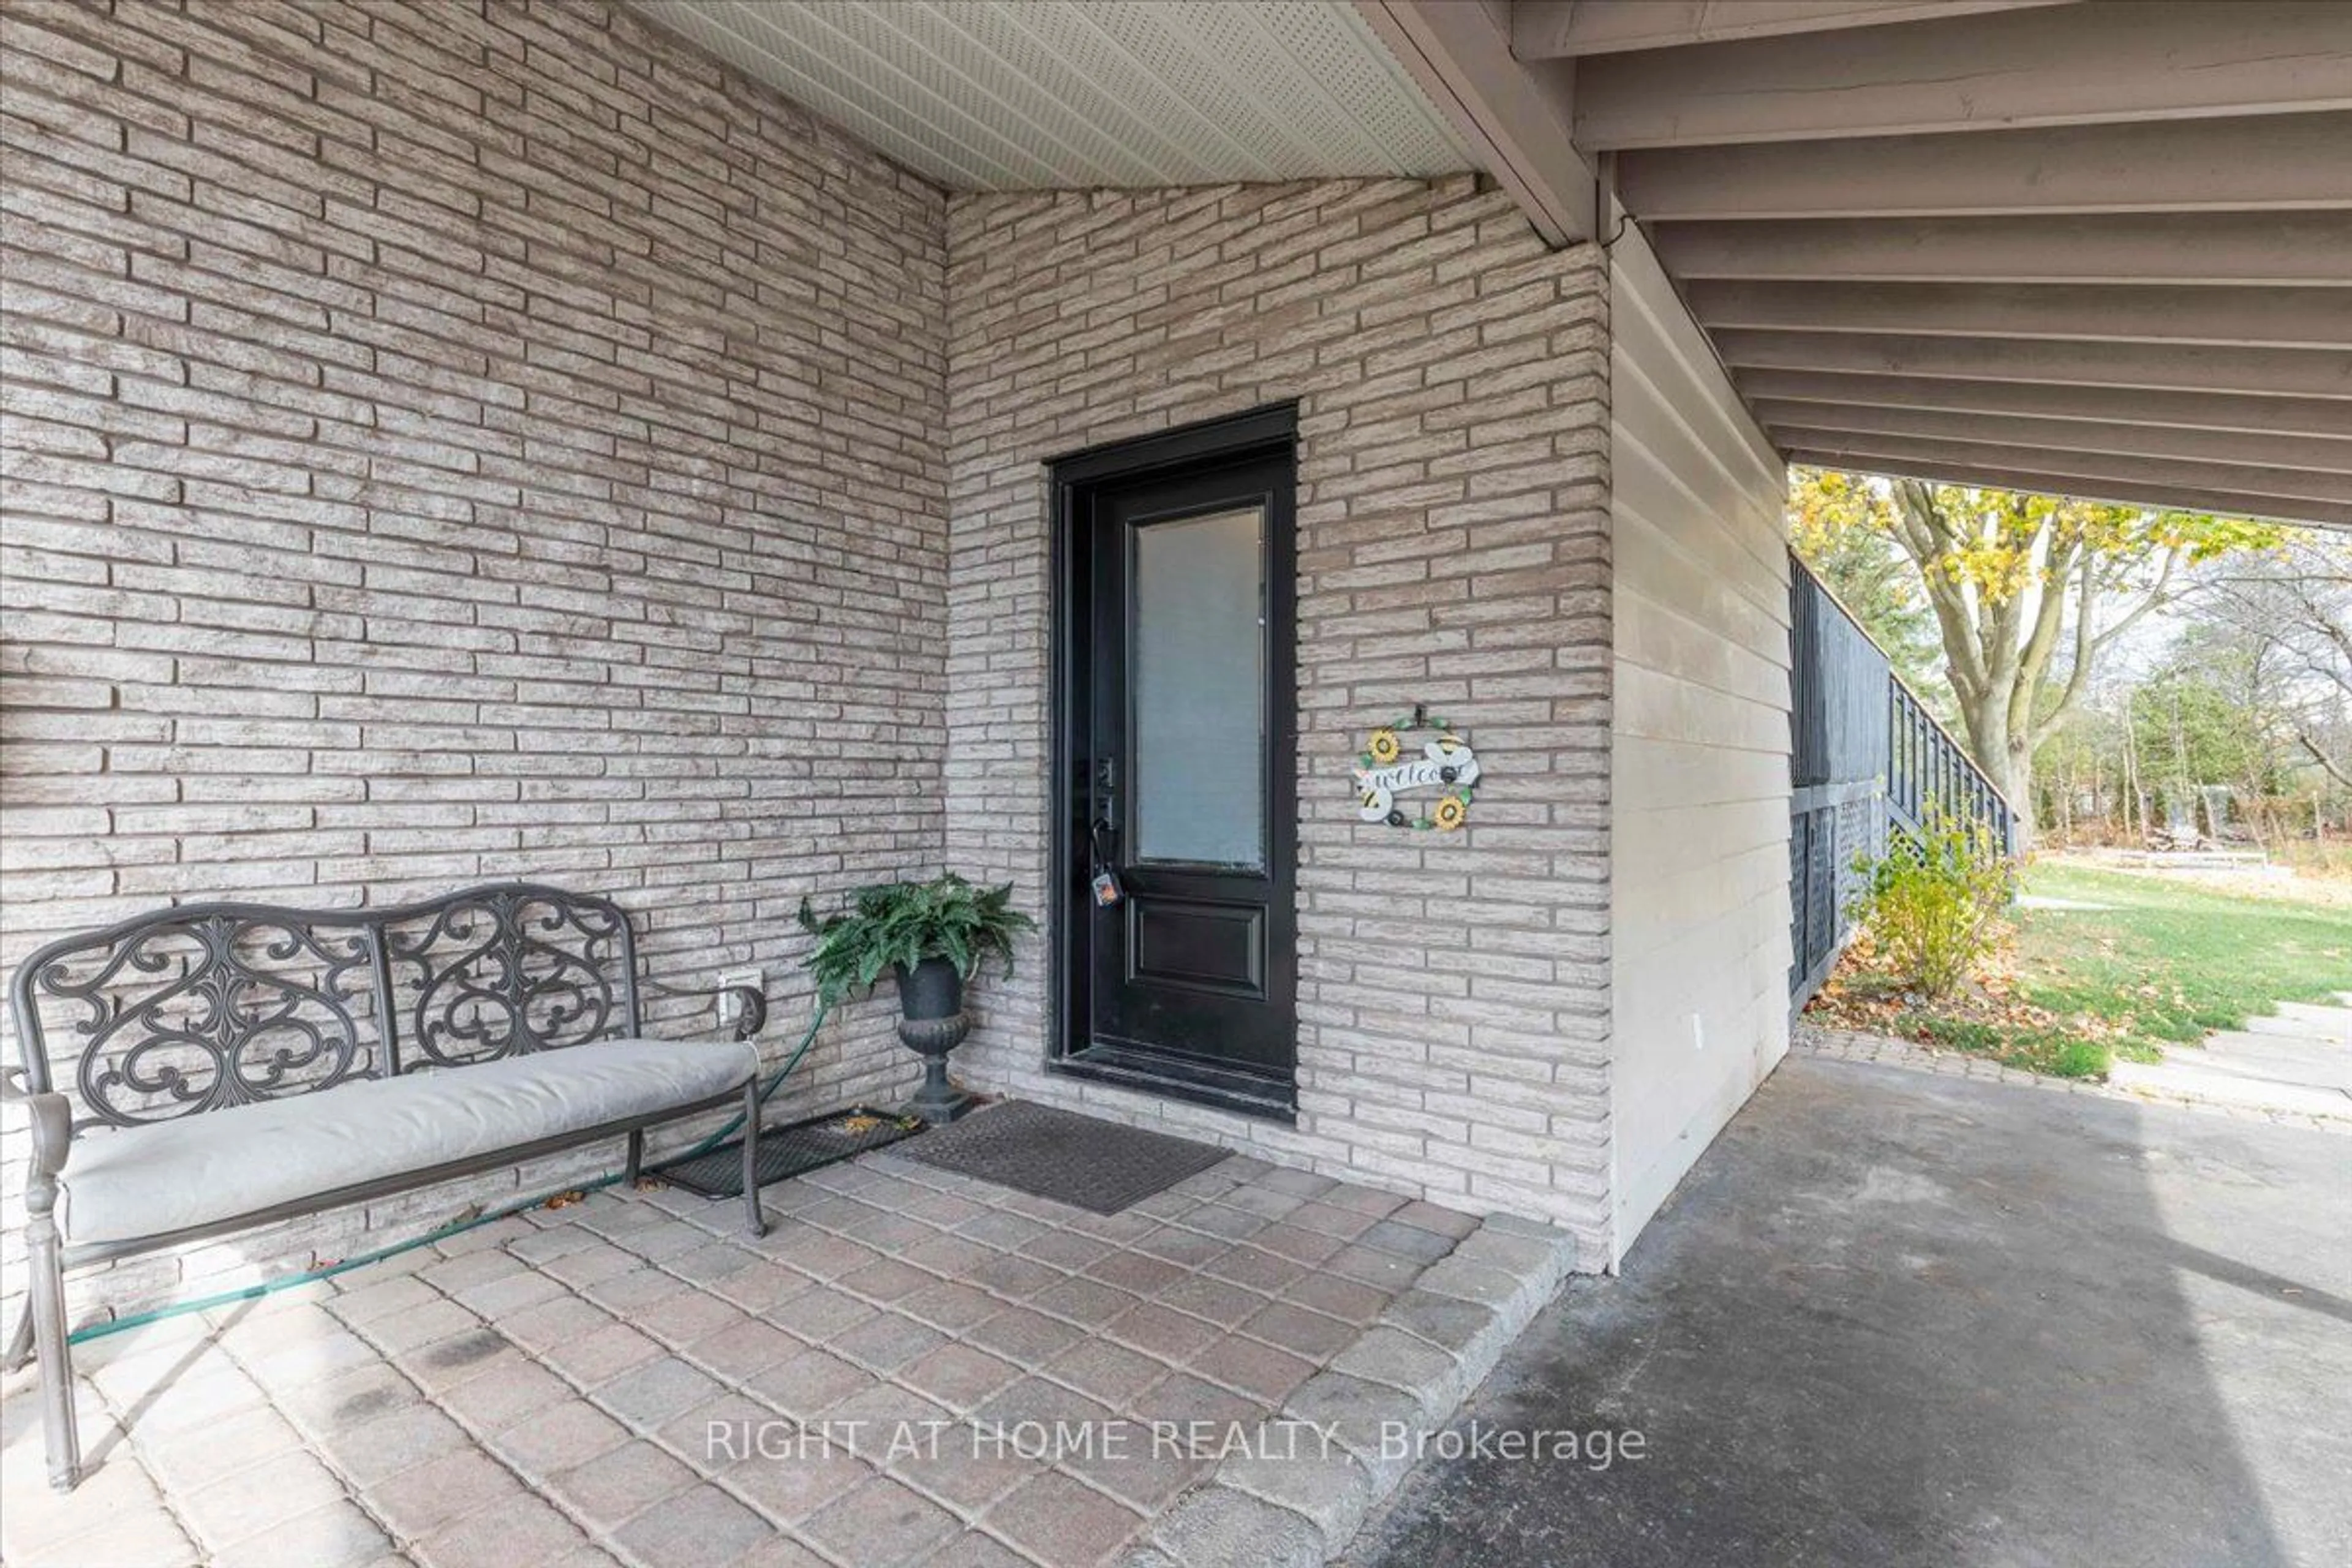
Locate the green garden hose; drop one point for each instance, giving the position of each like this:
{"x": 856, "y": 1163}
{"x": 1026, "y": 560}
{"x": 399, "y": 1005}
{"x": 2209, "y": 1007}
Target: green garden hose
{"x": 270, "y": 1286}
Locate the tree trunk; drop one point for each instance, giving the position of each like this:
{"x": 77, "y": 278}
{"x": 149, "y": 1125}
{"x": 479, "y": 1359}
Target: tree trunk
{"x": 2135, "y": 807}
{"x": 2007, "y": 760}
{"x": 2015, "y": 783}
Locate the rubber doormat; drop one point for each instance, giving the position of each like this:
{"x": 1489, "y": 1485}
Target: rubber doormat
{"x": 789, "y": 1151}
{"x": 1081, "y": 1161}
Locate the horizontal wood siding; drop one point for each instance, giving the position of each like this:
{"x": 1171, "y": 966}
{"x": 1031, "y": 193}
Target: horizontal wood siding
{"x": 1699, "y": 768}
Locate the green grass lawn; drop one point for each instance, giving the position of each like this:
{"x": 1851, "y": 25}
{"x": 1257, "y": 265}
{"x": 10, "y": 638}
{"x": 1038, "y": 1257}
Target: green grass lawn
{"x": 2164, "y": 963}
{"x": 2172, "y": 961}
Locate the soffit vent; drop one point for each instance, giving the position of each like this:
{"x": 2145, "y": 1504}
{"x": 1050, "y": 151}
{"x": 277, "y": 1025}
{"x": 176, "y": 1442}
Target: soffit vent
{"x": 1056, "y": 94}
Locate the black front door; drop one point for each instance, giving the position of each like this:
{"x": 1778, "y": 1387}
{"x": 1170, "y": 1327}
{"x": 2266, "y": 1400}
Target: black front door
{"x": 1177, "y": 753}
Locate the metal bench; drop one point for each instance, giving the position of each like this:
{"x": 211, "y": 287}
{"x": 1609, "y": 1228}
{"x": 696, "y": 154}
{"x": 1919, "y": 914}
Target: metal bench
{"x": 224, "y": 1066}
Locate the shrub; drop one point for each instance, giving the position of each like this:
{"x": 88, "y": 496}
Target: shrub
{"x": 2082, "y": 1058}
{"x": 1932, "y": 900}
{"x": 900, "y": 925}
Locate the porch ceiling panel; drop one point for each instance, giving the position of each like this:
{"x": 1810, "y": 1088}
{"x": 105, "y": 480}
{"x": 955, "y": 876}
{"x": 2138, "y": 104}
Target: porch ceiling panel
{"x": 2306, "y": 247}
{"x": 2275, "y": 318}
{"x": 2095, "y": 62}
{"x": 2097, "y": 247}
{"x": 1073, "y": 94}
{"x": 2129, "y": 490}
{"x": 2251, "y": 480}
{"x": 1550, "y": 29}
{"x": 2159, "y": 409}
{"x": 1809, "y": 423}
{"x": 2258, "y": 163}
{"x": 2144, "y": 367}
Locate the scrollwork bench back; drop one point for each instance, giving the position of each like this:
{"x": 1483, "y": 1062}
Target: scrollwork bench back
{"x": 210, "y": 1005}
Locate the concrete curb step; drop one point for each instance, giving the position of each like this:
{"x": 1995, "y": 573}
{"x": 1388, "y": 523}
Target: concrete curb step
{"x": 1434, "y": 1345}
{"x": 2307, "y": 1062}
{"x": 2174, "y": 1079}
{"x": 2304, "y": 1021}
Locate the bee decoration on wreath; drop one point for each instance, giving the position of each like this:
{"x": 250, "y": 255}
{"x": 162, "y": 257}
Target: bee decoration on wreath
{"x": 1445, "y": 764}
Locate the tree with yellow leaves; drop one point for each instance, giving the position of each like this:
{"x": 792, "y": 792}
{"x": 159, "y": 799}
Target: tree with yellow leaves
{"x": 2014, "y": 580}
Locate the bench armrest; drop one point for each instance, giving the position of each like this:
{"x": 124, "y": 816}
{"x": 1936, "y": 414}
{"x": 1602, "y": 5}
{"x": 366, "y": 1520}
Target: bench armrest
{"x": 750, "y": 1005}
{"x": 52, "y": 1118}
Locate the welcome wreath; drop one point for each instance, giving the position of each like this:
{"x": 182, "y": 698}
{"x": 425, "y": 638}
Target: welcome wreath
{"x": 1445, "y": 764}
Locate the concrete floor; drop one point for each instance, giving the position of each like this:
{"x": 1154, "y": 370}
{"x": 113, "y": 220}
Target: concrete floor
{"x": 1896, "y": 1319}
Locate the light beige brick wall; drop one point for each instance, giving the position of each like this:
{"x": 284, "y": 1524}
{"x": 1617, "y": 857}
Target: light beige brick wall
{"x": 455, "y": 442}
{"x": 1454, "y": 548}
{"x": 498, "y": 441}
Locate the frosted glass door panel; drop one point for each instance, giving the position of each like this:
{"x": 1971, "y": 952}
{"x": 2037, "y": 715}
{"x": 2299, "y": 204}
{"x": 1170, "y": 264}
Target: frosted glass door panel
{"x": 1198, "y": 688}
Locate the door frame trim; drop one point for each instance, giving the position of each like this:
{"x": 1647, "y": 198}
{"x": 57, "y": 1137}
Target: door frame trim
{"x": 1256, "y": 432}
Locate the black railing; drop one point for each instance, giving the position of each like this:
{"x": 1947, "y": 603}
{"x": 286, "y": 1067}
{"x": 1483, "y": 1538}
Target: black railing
{"x": 1927, "y": 773}
{"x": 1868, "y": 766}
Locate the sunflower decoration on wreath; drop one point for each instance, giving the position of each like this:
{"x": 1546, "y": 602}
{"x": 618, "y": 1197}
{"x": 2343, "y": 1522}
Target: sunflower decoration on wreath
{"x": 1445, "y": 764}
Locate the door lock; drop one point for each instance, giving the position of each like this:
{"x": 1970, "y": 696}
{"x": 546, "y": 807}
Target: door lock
{"x": 1105, "y": 882}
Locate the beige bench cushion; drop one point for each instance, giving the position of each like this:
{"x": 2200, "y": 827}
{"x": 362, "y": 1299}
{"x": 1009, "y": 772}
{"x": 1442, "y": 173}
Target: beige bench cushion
{"x": 146, "y": 1180}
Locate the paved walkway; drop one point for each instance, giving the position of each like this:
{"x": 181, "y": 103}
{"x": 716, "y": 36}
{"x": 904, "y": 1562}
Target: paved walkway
{"x": 2315, "y": 1113}
{"x": 1896, "y": 1318}
{"x": 911, "y": 1367}
{"x": 2296, "y": 1062}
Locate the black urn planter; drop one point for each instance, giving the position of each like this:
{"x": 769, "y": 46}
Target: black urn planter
{"x": 931, "y": 1023}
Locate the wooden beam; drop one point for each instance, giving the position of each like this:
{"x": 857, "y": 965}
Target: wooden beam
{"x": 2264, "y": 162}
{"x": 1550, "y": 29}
{"x": 1795, "y": 423}
{"x": 2221, "y": 478}
{"x": 2060, "y": 65}
{"x": 2309, "y": 248}
{"x": 2319, "y": 318}
{"x": 2126, "y": 491}
{"x": 2262, "y": 372}
{"x": 1459, "y": 52}
{"x": 2187, "y": 411}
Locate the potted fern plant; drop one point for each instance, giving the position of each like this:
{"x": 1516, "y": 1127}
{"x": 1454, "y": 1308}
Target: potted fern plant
{"x": 932, "y": 936}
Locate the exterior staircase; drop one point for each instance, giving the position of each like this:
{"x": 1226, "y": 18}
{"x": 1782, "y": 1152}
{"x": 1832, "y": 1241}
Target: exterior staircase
{"x": 1869, "y": 766}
